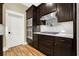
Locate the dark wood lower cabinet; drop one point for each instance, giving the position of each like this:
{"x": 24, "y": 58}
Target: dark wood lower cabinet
{"x": 35, "y": 41}
{"x": 45, "y": 50}
{"x": 1, "y": 45}
{"x": 46, "y": 45}
{"x": 55, "y": 46}
{"x": 63, "y": 47}
{"x": 30, "y": 41}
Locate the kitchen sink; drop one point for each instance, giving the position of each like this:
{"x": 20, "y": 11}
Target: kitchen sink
{"x": 51, "y": 32}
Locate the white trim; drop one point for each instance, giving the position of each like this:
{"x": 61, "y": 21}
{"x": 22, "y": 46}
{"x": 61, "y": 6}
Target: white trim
{"x": 24, "y": 43}
{"x": 14, "y": 12}
{"x": 4, "y": 48}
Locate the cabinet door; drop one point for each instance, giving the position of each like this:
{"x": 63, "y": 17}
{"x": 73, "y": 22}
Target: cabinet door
{"x": 41, "y": 7}
{"x": 65, "y": 12}
{"x": 29, "y": 12}
{"x": 1, "y": 37}
{"x": 45, "y": 50}
{"x": 1, "y": 8}
{"x": 35, "y": 41}
{"x": 38, "y": 15}
{"x": 30, "y": 41}
{"x": 1, "y": 45}
{"x": 46, "y": 44}
{"x": 63, "y": 47}
{"x": 49, "y": 7}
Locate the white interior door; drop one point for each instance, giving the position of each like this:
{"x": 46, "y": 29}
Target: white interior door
{"x": 14, "y": 29}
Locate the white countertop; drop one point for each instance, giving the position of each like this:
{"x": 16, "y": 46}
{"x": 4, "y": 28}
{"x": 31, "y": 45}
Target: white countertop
{"x": 60, "y": 34}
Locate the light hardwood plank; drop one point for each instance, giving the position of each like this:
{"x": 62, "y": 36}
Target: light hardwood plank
{"x": 23, "y": 50}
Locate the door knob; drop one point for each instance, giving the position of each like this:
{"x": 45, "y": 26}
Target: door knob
{"x": 9, "y": 32}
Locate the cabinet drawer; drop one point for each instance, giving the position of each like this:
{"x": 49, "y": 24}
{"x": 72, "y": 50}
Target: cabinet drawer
{"x": 46, "y": 41}
{"x": 46, "y": 38}
{"x": 63, "y": 42}
{"x": 47, "y": 44}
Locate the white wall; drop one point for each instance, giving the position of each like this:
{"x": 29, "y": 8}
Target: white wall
{"x": 78, "y": 29}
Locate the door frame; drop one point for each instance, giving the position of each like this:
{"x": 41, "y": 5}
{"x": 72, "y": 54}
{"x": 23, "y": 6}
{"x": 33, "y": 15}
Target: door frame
{"x": 15, "y": 13}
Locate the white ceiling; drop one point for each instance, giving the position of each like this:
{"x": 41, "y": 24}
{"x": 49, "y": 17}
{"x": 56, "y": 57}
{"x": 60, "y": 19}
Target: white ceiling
{"x": 29, "y": 4}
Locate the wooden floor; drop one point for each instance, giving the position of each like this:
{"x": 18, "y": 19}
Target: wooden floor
{"x": 23, "y": 50}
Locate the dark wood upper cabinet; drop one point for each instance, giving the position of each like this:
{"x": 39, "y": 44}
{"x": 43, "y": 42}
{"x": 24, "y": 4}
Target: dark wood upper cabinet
{"x": 1, "y": 12}
{"x": 29, "y": 12}
{"x": 46, "y": 8}
{"x": 38, "y": 15}
{"x": 64, "y": 12}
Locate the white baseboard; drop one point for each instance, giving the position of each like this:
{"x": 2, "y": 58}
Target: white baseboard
{"x": 24, "y": 43}
{"x": 4, "y": 48}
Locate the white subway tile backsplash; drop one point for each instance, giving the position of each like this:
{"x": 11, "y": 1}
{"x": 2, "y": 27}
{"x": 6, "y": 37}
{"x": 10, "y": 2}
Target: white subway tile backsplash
{"x": 63, "y": 27}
